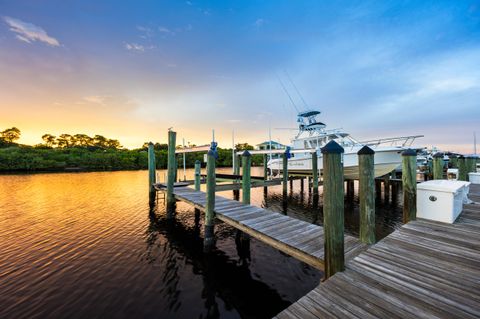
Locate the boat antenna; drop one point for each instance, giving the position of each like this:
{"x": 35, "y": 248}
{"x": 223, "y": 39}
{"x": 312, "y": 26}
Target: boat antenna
{"x": 286, "y": 92}
{"x": 475, "y": 143}
{"x": 296, "y": 89}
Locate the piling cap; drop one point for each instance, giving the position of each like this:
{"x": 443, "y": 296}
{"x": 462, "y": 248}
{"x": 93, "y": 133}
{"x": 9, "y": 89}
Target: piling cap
{"x": 438, "y": 155}
{"x": 366, "y": 151}
{"x": 332, "y": 147}
{"x": 198, "y": 162}
{"x": 409, "y": 152}
{"x": 246, "y": 153}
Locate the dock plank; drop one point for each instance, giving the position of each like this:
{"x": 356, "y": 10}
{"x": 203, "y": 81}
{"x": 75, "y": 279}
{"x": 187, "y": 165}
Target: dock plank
{"x": 424, "y": 269}
{"x": 290, "y": 235}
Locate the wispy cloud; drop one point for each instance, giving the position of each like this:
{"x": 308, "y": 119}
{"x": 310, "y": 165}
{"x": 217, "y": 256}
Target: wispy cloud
{"x": 147, "y": 32}
{"x": 95, "y": 99}
{"x": 28, "y": 32}
{"x": 259, "y": 22}
{"x": 134, "y": 47}
{"x": 166, "y": 32}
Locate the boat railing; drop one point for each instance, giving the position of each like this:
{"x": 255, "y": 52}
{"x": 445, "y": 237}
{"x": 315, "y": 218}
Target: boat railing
{"x": 393, "y": 141}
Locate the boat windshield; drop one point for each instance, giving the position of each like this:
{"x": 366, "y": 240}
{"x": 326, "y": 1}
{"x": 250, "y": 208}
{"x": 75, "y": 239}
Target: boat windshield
{"x": 341, "y": 138}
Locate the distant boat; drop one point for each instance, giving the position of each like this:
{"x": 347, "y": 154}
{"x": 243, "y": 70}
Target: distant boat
{"x": 312, "y": 135}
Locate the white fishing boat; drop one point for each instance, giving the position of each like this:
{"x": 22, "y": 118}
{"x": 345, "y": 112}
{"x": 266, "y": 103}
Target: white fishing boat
{"x": 312, "y": 136}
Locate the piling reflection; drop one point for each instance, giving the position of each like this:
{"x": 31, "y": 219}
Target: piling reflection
{"x": 225, "y": 281}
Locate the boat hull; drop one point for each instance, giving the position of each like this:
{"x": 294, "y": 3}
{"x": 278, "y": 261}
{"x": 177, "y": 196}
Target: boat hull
{"x": 386, "y": 160}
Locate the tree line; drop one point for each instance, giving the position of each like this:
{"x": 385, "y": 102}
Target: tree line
{"x": 82, "y": 152}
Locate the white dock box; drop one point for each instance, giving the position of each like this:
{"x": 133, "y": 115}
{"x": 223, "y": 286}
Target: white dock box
{"x": 441, "y": 200}
{"x": 474, "y": 178}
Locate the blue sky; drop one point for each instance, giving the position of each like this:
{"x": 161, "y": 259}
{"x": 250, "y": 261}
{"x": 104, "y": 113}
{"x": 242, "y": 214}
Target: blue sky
{"x": 131, "y": 69}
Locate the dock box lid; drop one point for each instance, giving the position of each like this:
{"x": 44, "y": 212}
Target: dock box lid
{"x": 443, "y": 186}
{"x": 474, "y": 174}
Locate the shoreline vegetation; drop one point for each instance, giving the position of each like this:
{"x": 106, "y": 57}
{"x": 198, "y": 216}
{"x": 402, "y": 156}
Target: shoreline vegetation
{"x": 82, "y": 153}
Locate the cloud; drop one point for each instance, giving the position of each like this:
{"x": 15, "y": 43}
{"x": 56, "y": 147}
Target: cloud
{"x": 147, "y": 32}
{"x": 28, "y": 32}
{"x": 259, "y": 22}
{"x": 134, "y": 47}
{"x": 95, "y": 99}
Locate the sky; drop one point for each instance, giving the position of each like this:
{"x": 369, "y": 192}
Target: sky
{"x": 130, "y": 70}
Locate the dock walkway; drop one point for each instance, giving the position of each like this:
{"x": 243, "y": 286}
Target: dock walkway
{"x": 294, "y": 237}
{"x": 424, "y": 269}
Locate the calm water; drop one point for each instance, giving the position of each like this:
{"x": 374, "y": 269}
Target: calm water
{"x": 86, "y": 245}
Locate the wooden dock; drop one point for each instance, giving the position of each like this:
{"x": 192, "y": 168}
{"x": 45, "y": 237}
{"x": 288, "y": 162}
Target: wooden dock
{"x": 228, "y": 184}
{"x": 424, "y": 269}
{"x": 294, "y": 237}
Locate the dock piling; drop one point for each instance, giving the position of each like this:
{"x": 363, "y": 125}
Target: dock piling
{"x": 386, "y": 187}
{"x": 197, "y": 174}
{"x": 438, "y": 166}
{"x": 209, "y": 239}
{"x": 462, "y": 168}
{"x": 453, "y": 161}
{"x": 285, "y": 174}
{"x": 246, "y": 182}
{"x": 315, "y": 172}
{"x": 152, "y": 176}
{"x": 378, "y": 189}
{"x": 236, "y": 166}
{"x": 171, "y": 167}
{"x": 350, "y": 189}
{"x": 409, "y": 181}
{"x": 470, "y": 163}
{"x": 333, "y": 208}
{"x": 366, "y": 190}
{"x": 265, "y": 169}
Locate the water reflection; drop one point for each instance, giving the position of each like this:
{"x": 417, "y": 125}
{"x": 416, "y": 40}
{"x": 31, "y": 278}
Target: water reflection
{"x": 88, "y": 246}
{"x": 224, "y": 279}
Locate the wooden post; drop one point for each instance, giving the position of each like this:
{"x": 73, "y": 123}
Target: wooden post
{"x": 409, "y": 180}
{"x": 366, "y": 191}
{"x": 175, "y": 179}
{"x": 438, "y": 166}
{"x": 394, "y": 193}
{"x": 209, "y": 239}
{"x": 171, "y": 168}
{"x": 350, "y": 189}
{"x": 265, "y": 169}
{"x": 198, "y": 169}
{"x": 453, "y": 161}
{"x": 285, "y": 174}
{"x": 236, "y": 167}
{"x": 246, "y": 183}
{"x": 386, "y": 187}
{"x": 462, "y": 168}
{"x": 378, "y": 189}
{"x": 470, "y": 163}
{"x": 315, "y": 172}
{"x": 152, "y": 176}
{"x": 430, "y": 169}
{"x": 333, "y": 208}
{"x": 302, "y": 185}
